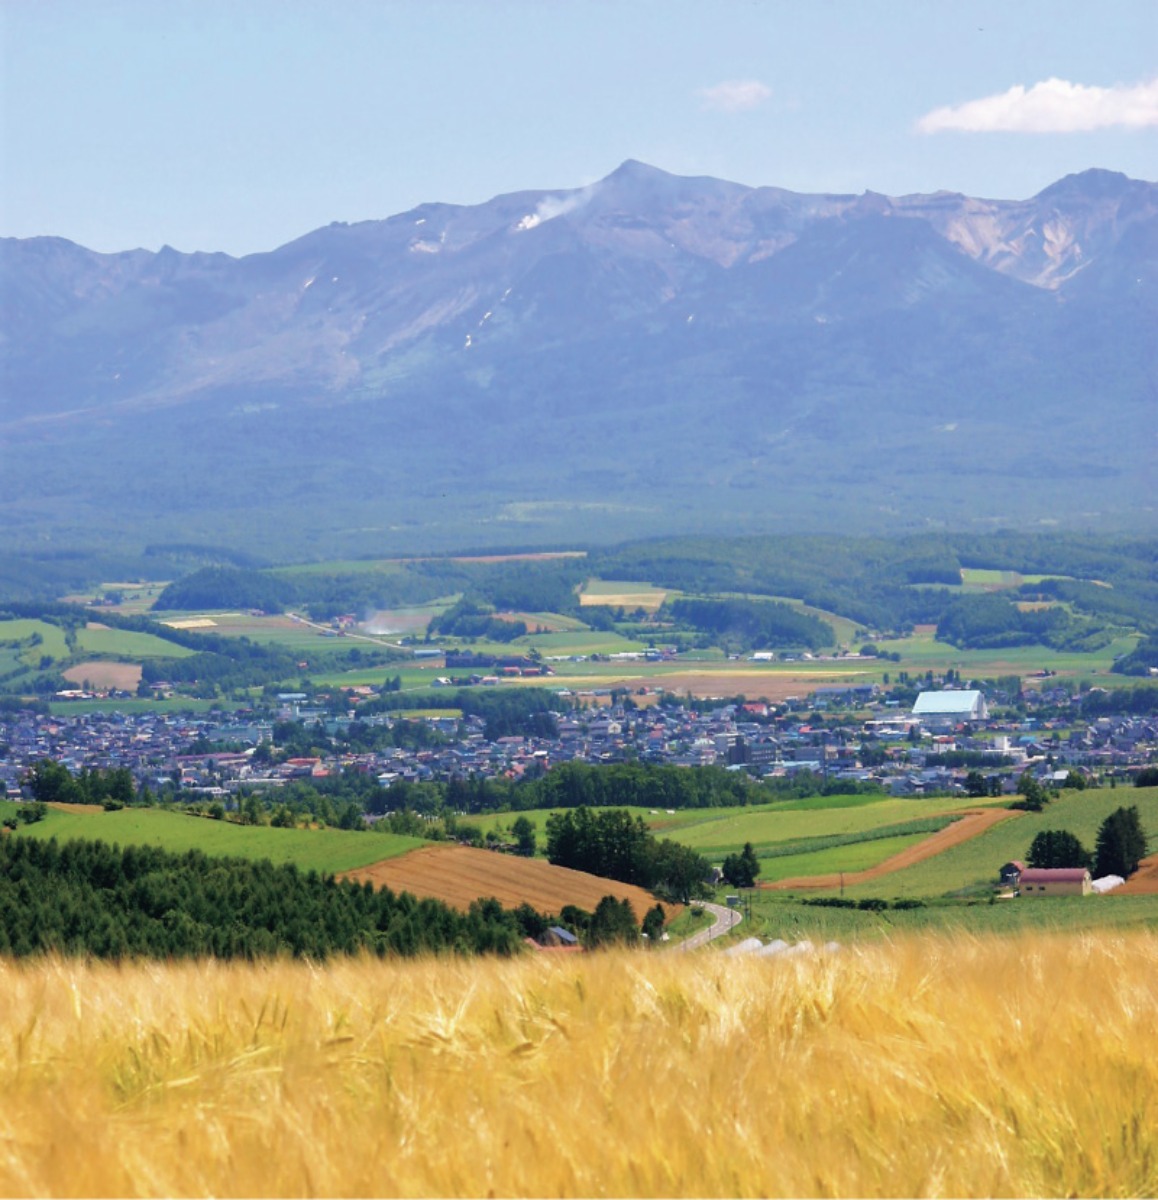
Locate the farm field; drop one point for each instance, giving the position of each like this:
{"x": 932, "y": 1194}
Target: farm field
{"x": 326, "y": 850}
{"x": 932, "y": 844}
{"x": 51, "y": 644}
{"x": 123, "y": 676}
{"x": 922, "y": 651}
{"x": 857, "y": 856}
{"x": 95, "y": 638}
{"x": 976, "y": 863}
{"x": 460, "y": 874}
{"x": 770, "y": 828}
{"x": 890, "y": 1068}
{"x": 620, "y": 593}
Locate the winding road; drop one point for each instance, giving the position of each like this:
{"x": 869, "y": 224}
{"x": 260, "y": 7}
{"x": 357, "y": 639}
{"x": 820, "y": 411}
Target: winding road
{"x": 725, "y": 920}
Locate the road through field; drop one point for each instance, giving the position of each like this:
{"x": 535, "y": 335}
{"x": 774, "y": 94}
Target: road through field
{"x": 973, "y": 823}
{"x": 725, "y": 919}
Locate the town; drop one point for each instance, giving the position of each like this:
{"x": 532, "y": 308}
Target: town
{"x": 839, "y": 738}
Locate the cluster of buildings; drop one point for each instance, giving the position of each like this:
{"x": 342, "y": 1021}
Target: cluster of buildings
{"x": 929, "y": 747}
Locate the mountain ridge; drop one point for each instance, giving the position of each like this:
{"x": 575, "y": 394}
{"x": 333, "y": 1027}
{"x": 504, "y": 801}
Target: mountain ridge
{"x": 720, "y": 325}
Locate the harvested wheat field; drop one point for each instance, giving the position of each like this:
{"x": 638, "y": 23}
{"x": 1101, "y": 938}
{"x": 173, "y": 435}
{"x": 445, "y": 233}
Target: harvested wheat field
{"x": 125, "y": 676}
{"x": 460, "y": 874}
{"x": 890, "y": 1069}
{"x": 971, "y": 824}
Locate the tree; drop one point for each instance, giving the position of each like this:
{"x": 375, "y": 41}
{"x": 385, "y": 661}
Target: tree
{"x": 524, "y": 832}
{"x": 1057, "y": 848}
{"x": 612, "y": 922}
{"x": 1034, "y": 796}
{"x": 741, "y": 870}
{"x": 52, "y": 782}
{"x": 1121, "y": 843}
{"x": 975, "y": 785}
{"x": 653, "y": 924}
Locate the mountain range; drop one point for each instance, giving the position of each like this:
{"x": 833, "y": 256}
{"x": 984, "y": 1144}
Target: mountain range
{"x": 651, "y": 353}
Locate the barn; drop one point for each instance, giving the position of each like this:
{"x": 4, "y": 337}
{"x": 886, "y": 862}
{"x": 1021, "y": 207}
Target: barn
{"x": 1055, "y": 881}
{"x": 949, "y": 708}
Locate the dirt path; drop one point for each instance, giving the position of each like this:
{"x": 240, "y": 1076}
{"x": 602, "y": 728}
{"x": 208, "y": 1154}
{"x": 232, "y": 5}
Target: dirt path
{"x": 1144, "y": 882}
{"x": 973, "y": 823}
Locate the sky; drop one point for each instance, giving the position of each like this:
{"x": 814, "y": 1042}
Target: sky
{"x": 238, "y": 125}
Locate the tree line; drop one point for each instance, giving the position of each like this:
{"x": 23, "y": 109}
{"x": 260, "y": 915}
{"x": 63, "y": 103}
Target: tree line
{"x": 614, "y": 844}
{"x": 92, "y": 898}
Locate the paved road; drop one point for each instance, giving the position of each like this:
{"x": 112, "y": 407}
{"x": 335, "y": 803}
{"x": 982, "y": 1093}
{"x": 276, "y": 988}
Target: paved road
{"x": 725, "y": 919}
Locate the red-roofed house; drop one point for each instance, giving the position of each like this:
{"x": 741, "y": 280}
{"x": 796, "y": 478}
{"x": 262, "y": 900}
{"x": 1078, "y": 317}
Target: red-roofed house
{"x": 1055, "y": 881}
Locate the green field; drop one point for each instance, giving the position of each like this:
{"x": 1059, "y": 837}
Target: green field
{"x": 857, "y": 856}
{"x": 327, "y": 850}
{"x": 52, "y": 642}
{"x": 770, "y": 827}
{"x": 773, "y": 828}
{"x": 776, "y": 916}
{"x": 923, "y": 652}
{"x": 976, "y": 863}
{"x": 124, "y": 643}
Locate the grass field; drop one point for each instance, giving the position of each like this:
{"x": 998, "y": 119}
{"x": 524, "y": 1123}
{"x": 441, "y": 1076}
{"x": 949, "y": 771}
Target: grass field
{"x": 51, "y": 644}
{"x": 856, "y": 856}
{"x": 912, "y": 1066}
{"x": 771, "y": 827}
{"x": 977, "y": 862}
{"x": 327, "y": 850}
{"x": 125, "y": 643}
{"x": 775, "y": 829}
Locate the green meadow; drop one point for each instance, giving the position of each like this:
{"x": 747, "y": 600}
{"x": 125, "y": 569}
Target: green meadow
{"x": 125, "y": 643}
{"x": 975, "y": 863}
{"x": 326, "y": 850}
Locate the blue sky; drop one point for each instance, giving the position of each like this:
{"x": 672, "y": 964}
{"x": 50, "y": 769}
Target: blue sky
{"x": 240, "y": 125}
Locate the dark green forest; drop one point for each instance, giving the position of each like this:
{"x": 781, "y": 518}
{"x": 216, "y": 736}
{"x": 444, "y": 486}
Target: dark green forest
{"x": 92, "y": 898}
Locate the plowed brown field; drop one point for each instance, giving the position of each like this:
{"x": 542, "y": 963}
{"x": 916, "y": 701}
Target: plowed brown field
{"x": 125, "y": 676}
{"x": 969, "y": 826}
{"x": 460, "y": 874}
{"x": 1144, "y": 882}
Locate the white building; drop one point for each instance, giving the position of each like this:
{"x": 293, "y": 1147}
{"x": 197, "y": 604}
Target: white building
{"x": 950, "y": 707}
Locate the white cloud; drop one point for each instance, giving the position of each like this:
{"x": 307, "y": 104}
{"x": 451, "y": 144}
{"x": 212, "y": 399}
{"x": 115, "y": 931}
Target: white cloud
{"x": 735, "y": 95}
{"x": 1053, "y": 106}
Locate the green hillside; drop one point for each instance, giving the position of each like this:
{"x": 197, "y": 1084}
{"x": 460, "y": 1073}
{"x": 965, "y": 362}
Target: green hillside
{"x": 326, "y": 850}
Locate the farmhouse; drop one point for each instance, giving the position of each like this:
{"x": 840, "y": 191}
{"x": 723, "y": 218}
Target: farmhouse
{"x": 1011, "y": 872}
{"x": 1055, "y": 881}
{"x": 946, "y": 708}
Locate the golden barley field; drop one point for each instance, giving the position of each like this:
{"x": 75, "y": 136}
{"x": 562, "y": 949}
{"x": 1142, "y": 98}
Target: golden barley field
{"x": 933, "y": 1065}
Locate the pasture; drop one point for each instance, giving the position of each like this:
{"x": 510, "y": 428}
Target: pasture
{"x": 783, "y": 833}
{"x": 325, "y": 850}
{"x": 47, "y": 640}
{"x": 890, "y": 1068}
{"x": 95, "y": 638}
{"x": 975, "y": 864}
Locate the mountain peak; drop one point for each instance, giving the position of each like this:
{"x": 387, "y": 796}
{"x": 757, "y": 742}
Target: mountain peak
{"x": 1095, "y": 184}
